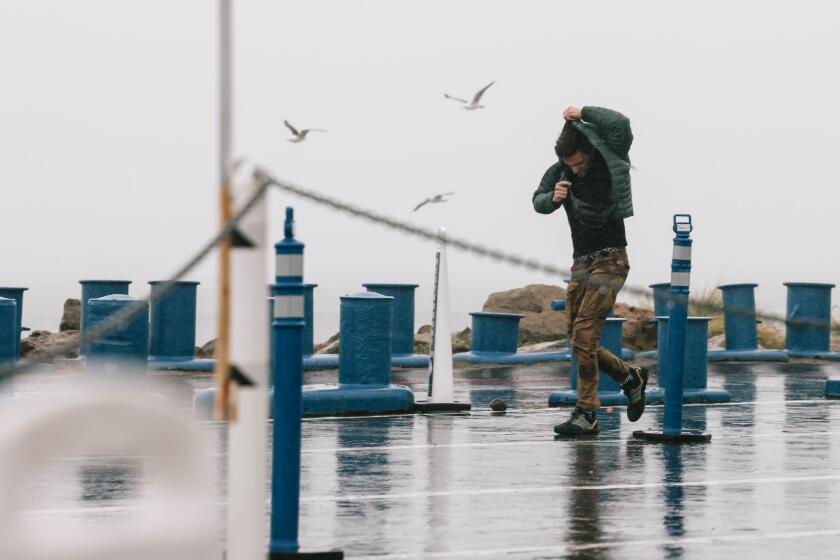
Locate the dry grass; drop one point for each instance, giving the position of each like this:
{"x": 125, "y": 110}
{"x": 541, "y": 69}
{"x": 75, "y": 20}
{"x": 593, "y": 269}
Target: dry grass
{"x": 708, "y": 302}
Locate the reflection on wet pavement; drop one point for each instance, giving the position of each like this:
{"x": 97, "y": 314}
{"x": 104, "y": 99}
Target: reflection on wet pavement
{"x": 499, "y": 485}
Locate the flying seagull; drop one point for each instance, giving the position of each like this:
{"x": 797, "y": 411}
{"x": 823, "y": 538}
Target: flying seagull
{"x": 433, "y": 200}
{"x": 300, "y": 136}
{"x": 471, "y": 105}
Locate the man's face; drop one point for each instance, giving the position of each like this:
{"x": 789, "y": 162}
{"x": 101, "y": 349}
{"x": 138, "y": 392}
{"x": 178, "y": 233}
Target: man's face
{"x": 578, "y": 162}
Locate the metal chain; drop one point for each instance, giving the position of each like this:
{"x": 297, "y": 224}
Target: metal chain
{"x": 265, "y": 178}
{"x": 124, "y": 316}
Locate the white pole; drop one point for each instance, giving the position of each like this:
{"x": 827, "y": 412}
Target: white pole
{"x": 440, "y": 361}
{"x": 249, "y": 370}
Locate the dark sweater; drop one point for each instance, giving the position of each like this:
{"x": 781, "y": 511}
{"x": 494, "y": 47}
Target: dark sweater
{"x": 591, "y": 233}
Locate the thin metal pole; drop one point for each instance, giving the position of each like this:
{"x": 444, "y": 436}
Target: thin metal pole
{"x": 222, "y": 404}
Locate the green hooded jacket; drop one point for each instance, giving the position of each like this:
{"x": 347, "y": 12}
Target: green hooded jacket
{"x": 609, "y": 132}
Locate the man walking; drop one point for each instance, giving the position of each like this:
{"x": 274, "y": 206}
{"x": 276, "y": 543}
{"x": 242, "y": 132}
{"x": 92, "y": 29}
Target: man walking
{"x": 591, "y": 181}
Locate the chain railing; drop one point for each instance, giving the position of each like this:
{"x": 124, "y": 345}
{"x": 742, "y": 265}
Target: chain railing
{"x": 265, "y": 178}
{"x": 124, "y": 316}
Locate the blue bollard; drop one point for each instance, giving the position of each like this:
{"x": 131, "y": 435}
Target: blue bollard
{"x": 402, "y": 325}
{"x": 129, "y": 346}
{"x": 364, "y": 367}
{"x": 560, "y": 305}
{"x": 287, "y": 333}
{"x": 309, "y": 318}
{"x": 661, "y": 308}
{"x": 808, "y": 319}
{"x": 9, "y": 332}
{"x": 172, "y": 329}
{"x": 661, "y": 299}
{"x": 678, "y": 320}
{"x": 17, "y": 295}
{"x": 495, "y": 332}
{"x": 494, "y": 341}
{"x": 740, "y": 327}
{"x": 609, "y": 391}
{"x": 93, "y": 289}
{"x": 696, "y": 372}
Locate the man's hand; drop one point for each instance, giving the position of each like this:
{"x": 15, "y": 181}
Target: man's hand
{"x": 561, "y": 191}
{"x": 572, "y": 114}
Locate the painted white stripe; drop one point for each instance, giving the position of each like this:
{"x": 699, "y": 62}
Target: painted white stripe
{"x": 288, "y": 265}
{"x": 555, "y": 410}
{"x": 682, "y": 253}
{"x": 506, "y": 491}
{"x": 547, "y": 441}
{"x": 286, "y": 307}
{"x": 680, "y": 278}
{"x": 564, "y": 549}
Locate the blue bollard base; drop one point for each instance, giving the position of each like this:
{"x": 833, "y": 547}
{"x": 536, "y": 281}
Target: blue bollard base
{"x": 426, "y": 407}
{"x": 683, "y": 437}
{"x": 352, "y": 399}
{"x": 511, "y": 358}
{"x": 653, "y": 395}
{"x": 747, "y": 356}
{"x": 647, "y": 355}
{"x": 832, "y": 389}
{"x": 814, "y": 354}
{"x": 696, "y": 396}
{"x": 410, "y": 360}
{"x": 320, "y": 361}
{"x": 164, "y": 363}
{"x": 326, "y": 555}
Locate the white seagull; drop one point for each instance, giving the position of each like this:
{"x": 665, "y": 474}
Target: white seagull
{"x": 471, "y": 105}
{"x": 433, "y": 200}
{"x": 300, "y": 136}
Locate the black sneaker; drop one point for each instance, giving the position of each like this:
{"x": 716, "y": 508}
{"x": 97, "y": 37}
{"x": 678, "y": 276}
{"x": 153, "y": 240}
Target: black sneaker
{"x": 634, "y": 388}
{"x": 582, "y": 423}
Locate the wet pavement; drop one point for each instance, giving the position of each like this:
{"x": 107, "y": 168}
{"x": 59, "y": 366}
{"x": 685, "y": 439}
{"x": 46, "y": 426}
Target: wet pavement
{"x": 496, "y": 485}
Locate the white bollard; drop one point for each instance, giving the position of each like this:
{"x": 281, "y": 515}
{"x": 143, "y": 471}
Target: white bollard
{"x": 440, "y": 358}
{"x": 441, "y": 394}
{"x": 249, "y": 355}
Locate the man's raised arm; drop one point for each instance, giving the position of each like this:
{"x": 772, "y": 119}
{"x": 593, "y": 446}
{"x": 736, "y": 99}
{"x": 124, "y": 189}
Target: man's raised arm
{"x": 550, "y": 195}
{"x": 613, "y": 127}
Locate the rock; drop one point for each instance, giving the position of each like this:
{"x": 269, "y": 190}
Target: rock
{"x": 498, "y": 405}
{"x": 423, "y": 339}
{"x": 71, "y": 319}
{"x": 771, "y": 336}
{"x": 46, "y": 341}
{"x": 639, "y": 329}
{"x": 717, "y": 342}
{"x": 540, "y": 323}
{"x": 461, "y": 341}
{"x": 329, "y": 346}
{"x": 206, "y": 351}
{"x": 543, "y": 346}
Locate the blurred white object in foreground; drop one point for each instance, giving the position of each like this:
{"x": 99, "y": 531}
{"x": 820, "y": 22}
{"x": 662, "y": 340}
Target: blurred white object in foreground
{"x": 174, "y": 517}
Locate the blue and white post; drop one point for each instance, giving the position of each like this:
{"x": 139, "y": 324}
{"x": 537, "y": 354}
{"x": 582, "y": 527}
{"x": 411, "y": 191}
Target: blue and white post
{"x": 677, "y": 326}
{"x": 287, "y": 332}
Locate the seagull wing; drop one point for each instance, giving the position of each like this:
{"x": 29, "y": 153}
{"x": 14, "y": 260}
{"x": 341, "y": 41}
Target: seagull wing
{"x": 481, "y": 92}
{"x": 446, "y": 95}
{"x": 416, "y": 208}
{"x": 290, "y": 127}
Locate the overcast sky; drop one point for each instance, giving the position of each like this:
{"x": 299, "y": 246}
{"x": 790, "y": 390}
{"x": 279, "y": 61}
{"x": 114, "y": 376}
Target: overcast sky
{"x": 108, "y": 137}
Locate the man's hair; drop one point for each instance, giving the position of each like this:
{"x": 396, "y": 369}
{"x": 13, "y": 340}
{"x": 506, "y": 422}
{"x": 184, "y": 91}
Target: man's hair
{"x": 570, "y": 141}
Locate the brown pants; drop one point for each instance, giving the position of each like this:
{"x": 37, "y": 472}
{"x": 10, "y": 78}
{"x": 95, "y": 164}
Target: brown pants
{"x": 590, "y": 297}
